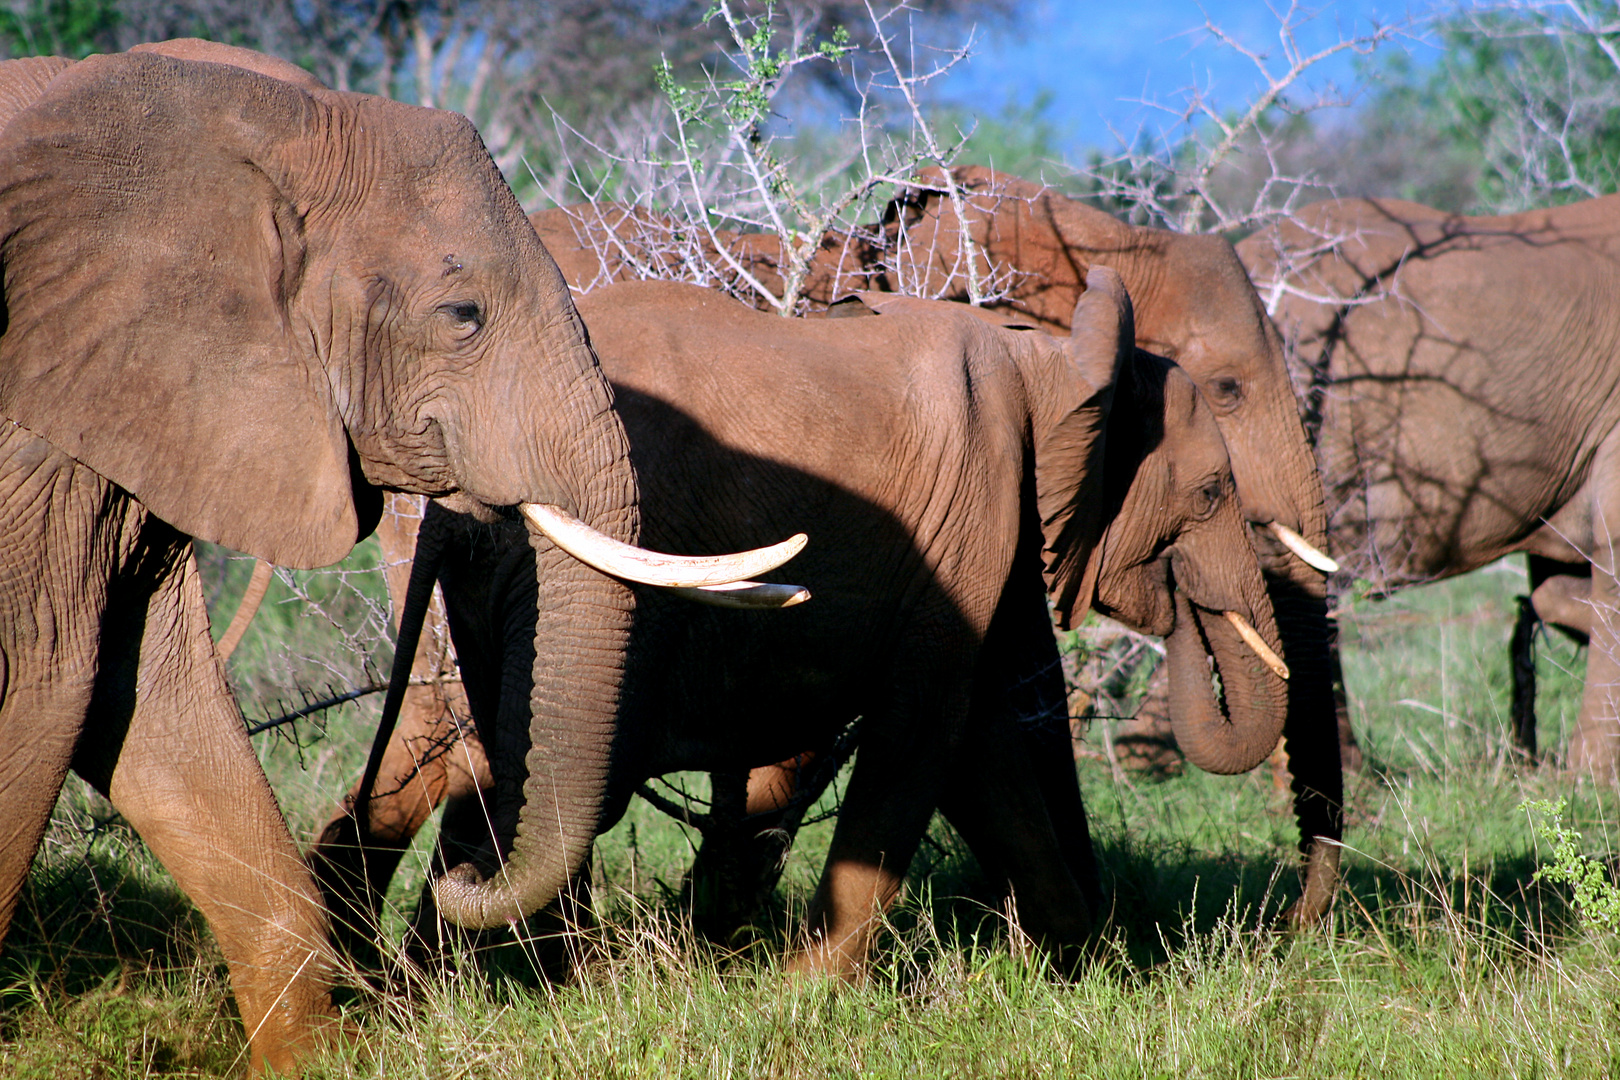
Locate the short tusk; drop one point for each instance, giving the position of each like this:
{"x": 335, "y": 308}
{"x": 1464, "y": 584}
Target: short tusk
{"x": 1296, "y": 543}
{"x": 746, "y": 594}
{"x": 649, "y": 567}
{"x": 1253, "y": 640}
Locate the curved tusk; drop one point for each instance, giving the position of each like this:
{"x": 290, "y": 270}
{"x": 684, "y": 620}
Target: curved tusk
{"x": 1296, "y": 543}
{"x": 746, "y": 594}
{"x": 650, "y": 567}
{"x": 1251, "y": 637}
{"x": 252, "y": 597}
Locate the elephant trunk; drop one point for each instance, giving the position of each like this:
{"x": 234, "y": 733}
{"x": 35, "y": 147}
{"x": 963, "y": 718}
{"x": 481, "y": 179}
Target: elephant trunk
{"x": 551, "y": 773}
{"x": 550, "y": 740}
{"x": 1234, "y": 731}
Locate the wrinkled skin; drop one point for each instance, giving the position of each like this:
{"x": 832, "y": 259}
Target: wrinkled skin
{"x": 240, "y": 307}
{"x": 1461, "y": 373}
{"x": 950, "y": 459}
{"x": 1194, "y": 304}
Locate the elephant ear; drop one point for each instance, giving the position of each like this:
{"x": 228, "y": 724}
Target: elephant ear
{"x": 1069, "y": 442}
{"x": 151, "y": 253}
{"x": 23, "y": 82}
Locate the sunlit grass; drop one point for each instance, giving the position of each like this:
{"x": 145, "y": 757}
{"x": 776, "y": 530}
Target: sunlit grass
{"x": 1441, "y": 957}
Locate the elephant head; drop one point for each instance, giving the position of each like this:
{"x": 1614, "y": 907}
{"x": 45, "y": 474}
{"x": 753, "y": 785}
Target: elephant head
{"x": 1174, "y": 558}
{"x": 1176, "y": 561}
{"x": 1140, "y": 518}
{"x": 253, "y": 304}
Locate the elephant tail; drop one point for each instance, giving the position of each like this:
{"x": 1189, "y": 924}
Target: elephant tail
{"x": 418, "y": 595}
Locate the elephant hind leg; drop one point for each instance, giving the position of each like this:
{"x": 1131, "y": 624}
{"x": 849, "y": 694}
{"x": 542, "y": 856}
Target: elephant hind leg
{"x": 1522, "y": 653}
{"x": 184, "y": 774}
{"x": 906, "y": 748}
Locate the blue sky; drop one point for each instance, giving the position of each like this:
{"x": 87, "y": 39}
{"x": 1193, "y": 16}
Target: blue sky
{"x": 1093, "y": 56}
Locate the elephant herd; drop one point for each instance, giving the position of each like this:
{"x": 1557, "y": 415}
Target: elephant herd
{"x": 244, "y": 308}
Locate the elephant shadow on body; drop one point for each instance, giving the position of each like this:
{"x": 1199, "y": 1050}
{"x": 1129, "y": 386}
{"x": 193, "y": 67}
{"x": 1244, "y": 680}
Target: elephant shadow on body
{"x": 724, "y": 691}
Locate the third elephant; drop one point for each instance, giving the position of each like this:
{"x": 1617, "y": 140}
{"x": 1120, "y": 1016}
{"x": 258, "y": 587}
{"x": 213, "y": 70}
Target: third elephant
{"x": 1463, "y": 378}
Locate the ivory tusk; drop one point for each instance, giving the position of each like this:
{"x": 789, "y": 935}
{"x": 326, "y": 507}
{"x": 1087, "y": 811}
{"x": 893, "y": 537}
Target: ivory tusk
{"x": 650, "y": 567}
{"x": 1296, "y": 543}
{"x": 1251, "y": 637}
{"x": 746, "y": 594}
{"x": 252, "y": 597}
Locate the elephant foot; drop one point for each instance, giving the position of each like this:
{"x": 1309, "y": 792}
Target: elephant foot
{"x": 1321, "y": 879}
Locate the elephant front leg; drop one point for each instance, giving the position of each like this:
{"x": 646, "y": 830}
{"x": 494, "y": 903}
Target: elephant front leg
{"x": 169, "y": 749}
{"x": 41, "y": 724}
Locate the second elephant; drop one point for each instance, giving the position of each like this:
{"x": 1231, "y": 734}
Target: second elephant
{"x": 953, "y": 463}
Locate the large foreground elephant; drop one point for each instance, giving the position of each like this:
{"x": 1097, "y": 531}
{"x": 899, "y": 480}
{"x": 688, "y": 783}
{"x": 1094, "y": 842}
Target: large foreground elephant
{"x": 239, "y": 307}
{"x": 1462, "y": 378}
{"x": 952, "y": 461}
{"x": 1194, "y": 304}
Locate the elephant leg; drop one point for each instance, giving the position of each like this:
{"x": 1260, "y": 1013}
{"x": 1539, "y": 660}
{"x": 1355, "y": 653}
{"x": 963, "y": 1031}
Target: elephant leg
{"x": 1595, "y": 746}
{"x": 1013, "y": 793}
{"x": 995, "y": 800}
{"x": 65, "y": 535}
{"x": 1312, "y": 741}
{"x": 434, "y": 755}
{"x": 41, "y": 722}
{"x": 892, "y": 793}
{"x": 1565, "y": 601}
{"x": 1522, "y": 654}
{"x": 721, "y": 884}
{"x": 186, "y": 777}
{"x": 1561, "y": 596}
{"x": 1351, "y": 758}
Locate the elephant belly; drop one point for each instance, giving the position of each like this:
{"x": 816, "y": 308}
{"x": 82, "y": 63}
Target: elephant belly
{"x": 737, "y": 690}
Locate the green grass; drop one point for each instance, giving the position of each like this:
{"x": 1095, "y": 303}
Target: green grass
{"x": 1441, "y": 958}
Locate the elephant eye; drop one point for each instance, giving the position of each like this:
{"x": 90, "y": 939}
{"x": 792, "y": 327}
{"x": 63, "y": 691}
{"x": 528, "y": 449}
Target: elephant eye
{"x": 1226, "y": 391}
{"x": 465, "y": 313}
{"x": 1207, "y": 499}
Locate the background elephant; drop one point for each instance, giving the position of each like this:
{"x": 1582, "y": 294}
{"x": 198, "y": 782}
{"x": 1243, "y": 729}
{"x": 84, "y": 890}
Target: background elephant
{"x": 1460, "y": 378}
{"x": 947, "y": 456}
{"x": 240, "y": 309}
{"x": 1194, "y": 304}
